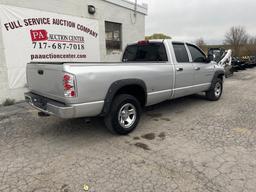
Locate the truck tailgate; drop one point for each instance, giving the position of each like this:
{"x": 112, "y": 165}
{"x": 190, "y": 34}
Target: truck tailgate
{"x": 46, "y": 80}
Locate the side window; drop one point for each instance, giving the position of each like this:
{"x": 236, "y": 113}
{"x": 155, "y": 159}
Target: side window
{"x": 146, "y": 52}
{"x": 180, "y": 53}
{"x": 197, "y": 55}
{"x": 130, "y": 53}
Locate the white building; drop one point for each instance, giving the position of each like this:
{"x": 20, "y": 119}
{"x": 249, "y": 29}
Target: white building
{"x": 118, "y": 22}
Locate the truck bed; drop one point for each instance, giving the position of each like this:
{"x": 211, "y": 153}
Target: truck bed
{"x": 94, "y": 79}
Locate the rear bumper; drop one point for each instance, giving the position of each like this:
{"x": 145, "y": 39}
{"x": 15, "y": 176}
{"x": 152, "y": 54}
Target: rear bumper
{"x": 62, "y": 110}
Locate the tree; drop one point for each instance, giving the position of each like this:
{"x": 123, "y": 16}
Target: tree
{"x": 251, "y": 47}
{"x": 236, "y": 37}
{"x": 201, "y": 43}
{"x": 157, "y": 36}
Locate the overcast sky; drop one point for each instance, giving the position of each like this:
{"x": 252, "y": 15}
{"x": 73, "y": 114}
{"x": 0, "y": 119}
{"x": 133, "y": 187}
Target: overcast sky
{"x": 191, "y": 19}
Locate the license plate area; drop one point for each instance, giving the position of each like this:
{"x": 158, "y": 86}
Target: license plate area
{"x": 39, "y": 102}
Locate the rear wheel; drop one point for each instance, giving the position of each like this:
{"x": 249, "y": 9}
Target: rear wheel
{"x": 124, "y": 114}
{"x": 215, "y": 92}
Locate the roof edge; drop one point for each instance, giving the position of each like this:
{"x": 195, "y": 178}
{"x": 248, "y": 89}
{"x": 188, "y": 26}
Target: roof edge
{"x": 143, "y": 9}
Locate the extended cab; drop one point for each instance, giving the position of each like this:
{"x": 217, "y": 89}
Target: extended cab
{"x": 150, "y": 72}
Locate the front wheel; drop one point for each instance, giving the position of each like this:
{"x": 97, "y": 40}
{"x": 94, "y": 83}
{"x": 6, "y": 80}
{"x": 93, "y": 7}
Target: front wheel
{"x": 124, "y": 114}
{"x": 215, "y": 92}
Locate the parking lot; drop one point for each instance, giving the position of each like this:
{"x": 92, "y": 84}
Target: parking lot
{"x": 189, "y": 144}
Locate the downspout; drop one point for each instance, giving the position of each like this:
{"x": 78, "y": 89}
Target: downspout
{"x": 134, "y": 14}
{"x": 135, "y": 8}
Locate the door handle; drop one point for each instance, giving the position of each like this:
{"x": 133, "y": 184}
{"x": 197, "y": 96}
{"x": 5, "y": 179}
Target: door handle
{"x": 179, "y": 69}
{"x": 40, "y": 72}
{"x": 197, "y": 68}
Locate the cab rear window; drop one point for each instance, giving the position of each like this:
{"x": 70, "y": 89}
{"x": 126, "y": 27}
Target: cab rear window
{"x": 148, "y": 52}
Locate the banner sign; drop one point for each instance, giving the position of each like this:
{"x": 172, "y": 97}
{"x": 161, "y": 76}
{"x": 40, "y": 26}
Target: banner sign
{"x": 37, "y": 36}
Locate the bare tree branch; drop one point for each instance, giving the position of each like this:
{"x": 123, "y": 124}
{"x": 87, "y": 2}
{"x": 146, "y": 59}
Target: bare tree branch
{"x": 251, "y": 47}
{"x": 201, "y": 43}
{"x": 236, "y": 37}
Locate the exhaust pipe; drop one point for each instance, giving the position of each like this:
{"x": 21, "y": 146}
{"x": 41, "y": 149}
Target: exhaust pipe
{"x": 42, "y": 114}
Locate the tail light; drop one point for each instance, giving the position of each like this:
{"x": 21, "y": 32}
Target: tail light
{"x": 69, "y": 85}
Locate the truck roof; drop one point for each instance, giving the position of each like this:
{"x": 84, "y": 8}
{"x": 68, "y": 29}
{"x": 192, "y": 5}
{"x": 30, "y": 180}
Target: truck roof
{"x": 159, "y": 41}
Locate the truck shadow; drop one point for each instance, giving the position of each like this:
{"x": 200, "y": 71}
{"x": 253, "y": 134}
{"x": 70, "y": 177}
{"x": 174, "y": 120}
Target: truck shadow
{"x": 174, "y": 105}
{"x": 96, "y": 128}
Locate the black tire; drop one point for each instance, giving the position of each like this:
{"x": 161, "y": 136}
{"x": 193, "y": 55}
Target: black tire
{"x": 213, "y": 94}
{"x": 112, "y": 119}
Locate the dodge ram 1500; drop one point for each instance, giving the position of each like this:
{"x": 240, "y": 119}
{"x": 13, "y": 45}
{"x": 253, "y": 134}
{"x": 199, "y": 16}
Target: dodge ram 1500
{"x": 150, "y": 72}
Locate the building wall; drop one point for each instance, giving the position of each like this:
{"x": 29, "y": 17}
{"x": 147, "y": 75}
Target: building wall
{"x": 133, "y": 29}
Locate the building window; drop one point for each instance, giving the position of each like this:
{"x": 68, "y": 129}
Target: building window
{"x": 113, "y": 36}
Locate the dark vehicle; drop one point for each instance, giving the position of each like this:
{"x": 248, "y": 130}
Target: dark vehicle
{"x": 218, "y": 53}
{"x": 253, "y": 61}
{"x": 237, "y": 64}
{"x": 250, "y": 61}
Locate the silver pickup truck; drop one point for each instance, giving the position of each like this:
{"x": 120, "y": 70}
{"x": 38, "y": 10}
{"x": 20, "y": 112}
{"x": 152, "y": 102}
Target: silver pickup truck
{"x": 150, "y": 72}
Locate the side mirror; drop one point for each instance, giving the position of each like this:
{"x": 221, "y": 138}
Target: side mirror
{"x": 210, "y": 58}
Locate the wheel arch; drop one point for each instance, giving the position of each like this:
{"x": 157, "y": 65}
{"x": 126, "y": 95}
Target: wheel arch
{"x": 135, "y": 87}
{"x": 217, "y": 75}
